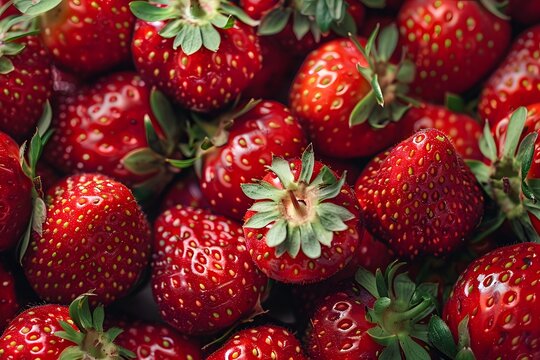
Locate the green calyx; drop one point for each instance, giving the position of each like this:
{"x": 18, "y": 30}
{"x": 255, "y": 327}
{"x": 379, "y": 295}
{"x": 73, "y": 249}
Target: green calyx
{"x": 505, "y": 181}
{"x": 91, "y": 341}
{"x": 387, "y": 101}
{"x": 441, "y": 338}
{"x": 399, "y": 307}
{"x": 29, "y": 157}
{"x": 496, "y": 7}
{"x": 315, "y": 16}
{"x": 192, "y": 23}
{"x": 298, "y": 214}
{"x": 160, "y": 159}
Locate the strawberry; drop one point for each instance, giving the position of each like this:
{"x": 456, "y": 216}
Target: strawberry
{"x": 52, "y": 332}
{"x": 302, "y": 226}
{"x": 351, "y": 168}
{"x": 9, "y": 305}
{"x": 377, "y": 316}
{"x": 25, "y": 79}
{"x": 244, "y": 145}
{"x": 103, "y": 127}
{"x": 261, "y": 342}
{"x": 156, "y": 342}
{"x": 184, "y": 191}
{"x": 203, "y": 68}
{"x": 516, "y": 80}
{"x": 423, "y": 199}
{"x": 202, "y": 276}
{"x": 332, "y": 95}
{"x": 463, "y": 130}
{"x": 84, "y": 36}
{"x": 95, "y": 236}
{"x": 371, "y": 254}
{"x": 454, "y": 44}
{"x": 493, "y": 307}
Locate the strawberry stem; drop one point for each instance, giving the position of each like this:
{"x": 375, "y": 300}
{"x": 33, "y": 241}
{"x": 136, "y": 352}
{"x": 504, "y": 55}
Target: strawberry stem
{"x": 300, "y": 209}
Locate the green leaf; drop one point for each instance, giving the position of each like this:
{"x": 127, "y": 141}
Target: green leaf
{"x": 148, "y": 12}
{"x": 35, "y": 7}
{"x": 381, "y": 305}
{"x": 192, "y": 40}
{"x": 487, "y": 144}
{"x": 464, "y": 339}
{"x": 525, "y": 153}
{"x": 263, "y": 206}
{"x": 377, "y": 90}
{"x": 277, "y": 233}
{"x": 465, "y": 354}
{"x": 12, "y": 48}
{"x": 406, "y": 71}
{"x": 229, "y": 8}
{"x": 6, "y": 66}
{"x": 165, "y": 116}
{"x": 325, "y": 236}
{"x": 374, "y": 4}
{"x": 39, "y": 215}
{"x": 371, "y": 41}
{"x": 210, "y": 37}
{"x": 387, "y": 42}
{"x": 332, "y": 190}
{"x": 454, "y": 102}
{"x": 380, "y": 282}
{"x": 515, "y": 129}
{"x": 404, "y": 288}
{"x": 300, "y": 25}
{"x": 274, "y": 22}
{"x": 282, "y": 169}
{"x": 222, "y": 21}
{"x": 113, "y": 333}
{"x": 25, "y": 240}
{"x": 534, "y": 186}
{"x": 309, "y": 243}
{"x": 308, "y": 163}
{"x": 293, "y": 245}
{"x": 181, "y": 164}
{"x": 262, "y": 219}
{"x": 391, "y": 351}
{"x": 341, "y": 212}
{"x": 34, "y": 151}
{"x": 362, "y": 109}
{"x": 323, "y": 16}
{"x": 171, "y": 29}
{"x": 495, "y": 8}
{"x": 143, "y": 161}
{"x": 441, "y": 337}
{"x": 480, "y": 170}
{"x": 262, "y": 191}
{"x": 45, "y": 120}
{"x": 367, "y": 280}
{"x": 346, "y": 26}
{"x": 412, "y": 350}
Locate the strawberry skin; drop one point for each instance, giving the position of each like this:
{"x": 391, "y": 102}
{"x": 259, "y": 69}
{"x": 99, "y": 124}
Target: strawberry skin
{"x": 423, "y": 198}
{"x": 266, "y": 130}
{"x": 95, "y": 236}
{"x": 30, "y": 335}
{"x": 202, "y": 81}
{"x": 184, "y": 191}
{"x": 8, "y": 297}
{"x": 325, "y": 91}
{"x": 261, "y": 342}
{"x": 202, "y": 276}
{"x": 89, "y": 36}
{"x": 463, "y": 130}
{"x": 499, "y": 294}
{"x": 15, "y": 194}
{"x": 156, "y": 342}
{"x": 453, "y": 44}
{"x": 24, "y": 91}
{"x": 97, "y": 126}
{"x": 516, "y": 80}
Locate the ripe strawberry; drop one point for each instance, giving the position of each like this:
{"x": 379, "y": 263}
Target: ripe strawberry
{"x": 532, "y": 124}
{"x": 203, "y": 68}
{"x": 423, "y": 198}
{"x": 333, "y": 97}
{"x": 25, "y": 81}
{"x": 102, "y": 128}
{"x": 242, "y": 151}
{"x": 95, "y": 236}
{"x": 371, "y": 254}
{"x": 302, "y": 227}
{"x": 493, "y": 306}
{"x": 186, "y": 192}
{"x": 156, "y": 342}
{"x": 8, "y": 297}
{"x": 515, "y": 82}
{"x": 52, "y": 332}
{"x": 351, "y": 168}
{"x": 88, "y": 36}
{"x": 377, "y": 316}
{"x": 261, "y": 342}
{"x": 454, "y": 44}
{"x": 463, "y": 130}
{"x": 203, "y": 278}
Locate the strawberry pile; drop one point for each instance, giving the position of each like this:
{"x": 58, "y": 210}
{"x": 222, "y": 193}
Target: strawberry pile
{"x": 269, "y": 179}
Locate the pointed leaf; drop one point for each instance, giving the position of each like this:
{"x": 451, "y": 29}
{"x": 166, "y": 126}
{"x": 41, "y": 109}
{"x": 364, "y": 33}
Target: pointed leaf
{"x": 148, "y": 12}
{"x": 367, "y": 280}
{"x": 262, "y": 191}
{"x": 210, "y": 37}
{"x": 331, "y": 191}
{"x": 323, "y": 16}
{"x": 274, "y": 22}
{"x": 374, "y": 4}
{"x": 171, "y": 29}
{"x": 525, "y": 153}
{"x": 45, "y": 120}
{"x": 282, "y": 169}
{"x": 165, "y": 116}
{"x": 336, "y": 210}
{"x": 515, "y": 129}
{"x": 441, "y": 337}
{"x": 35, "y": 7}
{"x": 6, "y": 66}
{"x": 362, "y": 109}
{"x": 229, "y": 8}
{"x": 39, "y": 215}
{"x": 300, "y": 25}
{"x": 487, "y": 144}
{"x": 412, "y": 350}
{"x": 192, "y": 40}
{"x": 143, "y": 161}
{"x": 222, "y": 21}
{"x": 181, "y": 164}
{"x": 325, "y": 236}
{"x": 391, "y": 352}
{"x": 404, "y": 288}
{"x": 346, "y": 26}
{"x": 294, "y": 241}
{"x": 377, "y": 90}
{"x": 264, "y": 206}
{"x": 98, "y": 318}
{"x": 387, "y": 42}
{"x": 371, "y": 41}
{"x": 308, "y": 163}
{"x": 277, "y": 233}
{"x": 309, "y": 243}
{"x": 406, "y": 72}
{"x": 262, "y": 219}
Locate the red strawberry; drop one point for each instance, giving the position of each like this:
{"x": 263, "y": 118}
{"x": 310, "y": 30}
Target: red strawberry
{"x": 257, "y": 9}
{"x": 242, "y": 152}
{"x": 186, "y": 192}
{"x": 203, "y": 68}
{"x": 88, "y": 36}
{"x": 516, "y": 80}
{"x": 336, "y": 101}
{"x": 423, "y": 198}
{"x": 52, "y": 332}
{"x": 351, "y": 168}
{"x": 463, "y": 130}
{"x": 8, "y": 297}
{"x": 454, "y": 44}
{"x": 15, "y": 194}
{"x": 524, "y": 11}
{"x": 64, "y": 83}
{"x": 261, "y": 342}
{"x": 25, "y": 82}
{"x": 156, "y": 342}
{"x": 202, "y": 275}
{"x": 95, "y": 236}
{"x": 495, "y": 302}
{"x": 371, "y": 254}
{"x": 302, "y": 227}
{"x": 532, "y": 124}
{"x": 373, "y": 319}
{"x": 47, "y": 175}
